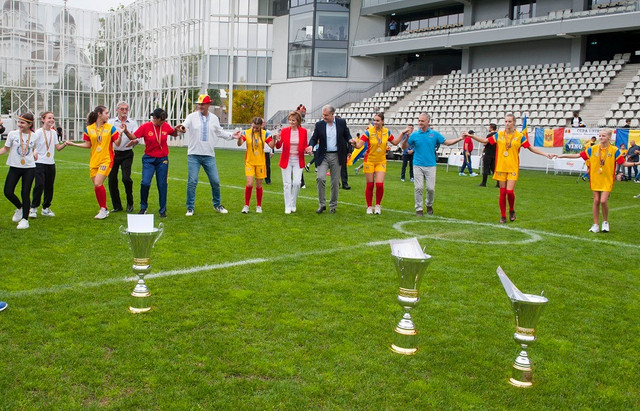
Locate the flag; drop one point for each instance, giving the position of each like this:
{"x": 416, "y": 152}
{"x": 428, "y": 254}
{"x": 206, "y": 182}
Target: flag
{"x": 357, "y": 154}
{"x": 548, "y": 137}
{"x": 524, "y": 130}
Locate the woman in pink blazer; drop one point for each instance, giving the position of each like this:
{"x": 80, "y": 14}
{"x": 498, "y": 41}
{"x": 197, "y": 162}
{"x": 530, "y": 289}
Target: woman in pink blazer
{"x": 293, "y": 141}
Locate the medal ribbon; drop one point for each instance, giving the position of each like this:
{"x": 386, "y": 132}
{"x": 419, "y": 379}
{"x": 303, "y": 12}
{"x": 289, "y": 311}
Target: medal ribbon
{"x": 25, "y": 147}
{"x": 158, "y": 137}
{"x": 47, "y": 142}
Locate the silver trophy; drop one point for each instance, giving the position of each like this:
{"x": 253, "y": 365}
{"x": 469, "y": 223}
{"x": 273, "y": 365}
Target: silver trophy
{"x": 411, "y": 263}
{"x": 527, "y": 309}
{"x": 141, "y": 244}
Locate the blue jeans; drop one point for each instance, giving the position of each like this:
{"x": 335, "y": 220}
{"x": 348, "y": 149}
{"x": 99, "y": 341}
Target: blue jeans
{"x": 208, "y": 163}
{"x": 159, "y": 166}
{"x": 466, "y": 163}
{"x": 635, "y": 172}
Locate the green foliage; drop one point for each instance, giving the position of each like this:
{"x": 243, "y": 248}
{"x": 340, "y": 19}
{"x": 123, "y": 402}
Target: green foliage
{"x": 274, "y": 311}
{"x": 247, "y": 104}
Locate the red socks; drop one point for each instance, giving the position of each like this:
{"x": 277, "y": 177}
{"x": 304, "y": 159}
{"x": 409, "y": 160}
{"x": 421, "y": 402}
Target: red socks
{"x": 503, "y": 202}
{"x": 368, "y": 194}
{"x": 101, "y": 196}
{"x": 247, "y": 194}
{"x": 511, "y": 196}
{"x": 379, "y": 192}
{"x": 259, "y": 196}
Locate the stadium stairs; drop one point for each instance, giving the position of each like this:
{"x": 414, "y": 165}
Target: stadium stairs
{"x": 594, "y": 111}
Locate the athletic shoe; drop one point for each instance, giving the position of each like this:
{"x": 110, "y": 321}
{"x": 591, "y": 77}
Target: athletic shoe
{"x": 474, "y": 175}
{"x": 17, "y": 215}
{"x": 605, "y": 226}
{"x": 594, "y": 228}
{"x": 512, "y": 216}
{"x": 306, "y": 167}
{"x": 419, "y": 213}
{"x": 377, "y": 209}
{"x": 303, "y": 186}
{"x": 638, "y": 196}
{"x": 259, "y": 209}
{"x": 221, "y": 209}
{"x": 163, "y": 215}
{"x": 23, "y": 224}
{"x": 503, "y": 220}
{"x": 482, "y": 185}
{"x": 636, "y": 181}
{"x": 142, "y": 211}
{"x": 245, "y": 209}
{"x": 293, "y": 210}
{"x": 429, "y": 210}
{"x": 104, "y": 213}
{"x": 47, "y": 212}
{"x": 287, "y": 210}
{"x": 33, "y": 212}
{"x": 130, "y": 209}
{"x": 189, "y": 212}
{"x": 369, "y": 210}
{"x": 402, "y": 179}
{"x": 3, "y": 305}
{"x": 461, "y": 174}
{"x": 411, "y": 179}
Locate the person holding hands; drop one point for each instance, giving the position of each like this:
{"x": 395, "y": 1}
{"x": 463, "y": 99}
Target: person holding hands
{"x": 254, "y": 162}
{"x": 293, "y": 141}
{"x": 602, "y": 159}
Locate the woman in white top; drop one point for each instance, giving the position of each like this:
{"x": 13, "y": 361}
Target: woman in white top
{"x": 46, "y": 141}
{"x": 293, "y": 141}
{"x": 22, "y": 157}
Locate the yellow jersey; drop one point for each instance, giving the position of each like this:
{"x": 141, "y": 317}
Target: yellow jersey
{"x": 508, "y": 150}
{"x": 101, "y": 143}
{"x": 602, "y": 166}
{"x": 376, "y": 144}
{"x": 255, "y": 146}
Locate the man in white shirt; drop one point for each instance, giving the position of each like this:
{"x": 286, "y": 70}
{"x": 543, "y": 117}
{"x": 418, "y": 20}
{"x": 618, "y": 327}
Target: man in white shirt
{"x": 200, "y": 129}
{"x": 122, "y": 158}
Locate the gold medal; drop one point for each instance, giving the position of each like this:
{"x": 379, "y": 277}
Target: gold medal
{"x": 99, "y": 149}
{"x": 48, "y": 154}
{"x": 600, "y": 170}
{"x": 22, "y": 161}
{"x": 506, "y": 154}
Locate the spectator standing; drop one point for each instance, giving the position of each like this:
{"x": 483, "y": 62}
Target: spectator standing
{"x": 576, "y": 120}
{"x": 407, "y": 155}
{"x": 122, "y": 158}
{"x": 627, "y": 123}
{"x": 489, "y": 157}
{"x": 467, "y": 149}
{"x": 632, "y": 156}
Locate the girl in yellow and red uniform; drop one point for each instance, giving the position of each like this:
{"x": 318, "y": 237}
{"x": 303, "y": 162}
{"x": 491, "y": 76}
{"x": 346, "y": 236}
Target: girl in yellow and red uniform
{"x": 508, "y": 144}
{"x": 375, "y": 159}
{"x": 99, "y": 136}
{"x": 254, "y": 162}
{"x": 602, "y": 159}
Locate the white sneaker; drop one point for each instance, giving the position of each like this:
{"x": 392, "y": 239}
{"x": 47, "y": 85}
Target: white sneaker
{"x": 258, "y": 209}
{"x": 594, "y": 228}
{"x": 102, "y": 214}
{"x": 23, "y": 224}
{"x": 293, "y": 210}
{"x": 221, "y": 209}
{"x": 47, "y": 212}
{"x": 245, "y": 209}
{"x": 377, "y": 209}
{"x": 605, "y": 226}
{"x": 189, "y": 212}
{"x": 474, "y": 175}
{"x": 462, "y": 174}
{"x": 33, "y": 212}
{"x": 17, "y": 215}
{"x": 369, "y": 210}
{"x": 287, "y": 210}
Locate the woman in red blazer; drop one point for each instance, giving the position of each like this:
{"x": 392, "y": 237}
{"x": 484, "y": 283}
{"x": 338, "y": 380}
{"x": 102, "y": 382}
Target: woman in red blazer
{"x": 293, "y": 141}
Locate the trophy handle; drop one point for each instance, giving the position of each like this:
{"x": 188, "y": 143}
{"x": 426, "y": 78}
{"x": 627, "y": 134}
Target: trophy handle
{"x": 160, "y": 231}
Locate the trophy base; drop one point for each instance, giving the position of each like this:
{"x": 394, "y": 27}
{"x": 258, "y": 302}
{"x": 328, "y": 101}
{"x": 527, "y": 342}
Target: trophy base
{"x": 520, "y": 384}
{"x": 134, "y": 310}
{"x": 403, "y": 351}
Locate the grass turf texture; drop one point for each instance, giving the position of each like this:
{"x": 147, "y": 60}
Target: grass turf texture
{"x": 310, "y": 326}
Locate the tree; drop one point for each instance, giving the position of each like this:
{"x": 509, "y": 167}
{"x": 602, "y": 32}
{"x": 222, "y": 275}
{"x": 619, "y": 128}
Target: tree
{"x": 247, "y": 104}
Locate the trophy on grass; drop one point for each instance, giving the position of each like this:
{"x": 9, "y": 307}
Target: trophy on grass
{"x": 411, "y": 263}
{"x": 142, "y": 236}
{"x": 527, "y": 309}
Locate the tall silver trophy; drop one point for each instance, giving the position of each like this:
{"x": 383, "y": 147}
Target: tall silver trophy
{"x": 527, "y": 309}
{"x": 142, "y": 237}
{"x": 411, "y": 264}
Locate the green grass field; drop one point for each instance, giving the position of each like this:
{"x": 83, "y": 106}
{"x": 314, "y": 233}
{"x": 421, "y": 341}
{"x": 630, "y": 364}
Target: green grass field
{"x": 297, "y": 311}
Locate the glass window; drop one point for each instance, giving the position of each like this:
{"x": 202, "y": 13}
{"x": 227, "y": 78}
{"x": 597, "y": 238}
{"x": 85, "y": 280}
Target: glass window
{"x": 300, "y": 27}
{"x": 330, "y": 63}
{"x": 332, "y": 25}
{"x": 299, "y": 61}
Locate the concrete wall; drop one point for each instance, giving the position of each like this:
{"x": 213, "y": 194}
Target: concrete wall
{"x": 523, "y": 53}
{"x": 490, "y": 10}
{"x": 544, "y": 7}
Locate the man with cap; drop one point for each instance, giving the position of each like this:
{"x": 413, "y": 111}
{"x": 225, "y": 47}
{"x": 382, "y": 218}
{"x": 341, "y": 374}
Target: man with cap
{"x": 122, "y": 158}
{"x": 200, "y": 129}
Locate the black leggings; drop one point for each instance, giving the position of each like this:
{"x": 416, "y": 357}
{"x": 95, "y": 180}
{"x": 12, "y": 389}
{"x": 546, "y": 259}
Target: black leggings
{"x": 45, "y": 177}
{"x": 14, "y": 174}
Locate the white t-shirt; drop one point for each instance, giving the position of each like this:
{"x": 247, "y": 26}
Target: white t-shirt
{"x": 131, "y": 127}
{"x": 42, "y": 138}
{"x": 15, "y": 154}
{"x": 200, "y": 143}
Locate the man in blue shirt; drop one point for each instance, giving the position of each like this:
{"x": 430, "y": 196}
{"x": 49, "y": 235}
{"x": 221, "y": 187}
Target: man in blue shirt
{"x": 424, "y": 142}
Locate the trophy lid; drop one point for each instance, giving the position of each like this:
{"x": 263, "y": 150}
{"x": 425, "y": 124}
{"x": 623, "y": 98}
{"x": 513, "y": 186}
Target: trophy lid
{"x": 514, "y": 293}
{"x": 408, "y": 248}
{"x": 140, "y": 223}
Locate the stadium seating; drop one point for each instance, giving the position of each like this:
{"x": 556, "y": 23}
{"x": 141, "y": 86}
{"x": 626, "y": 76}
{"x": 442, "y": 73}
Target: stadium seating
{"x": 627, "y": 106}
